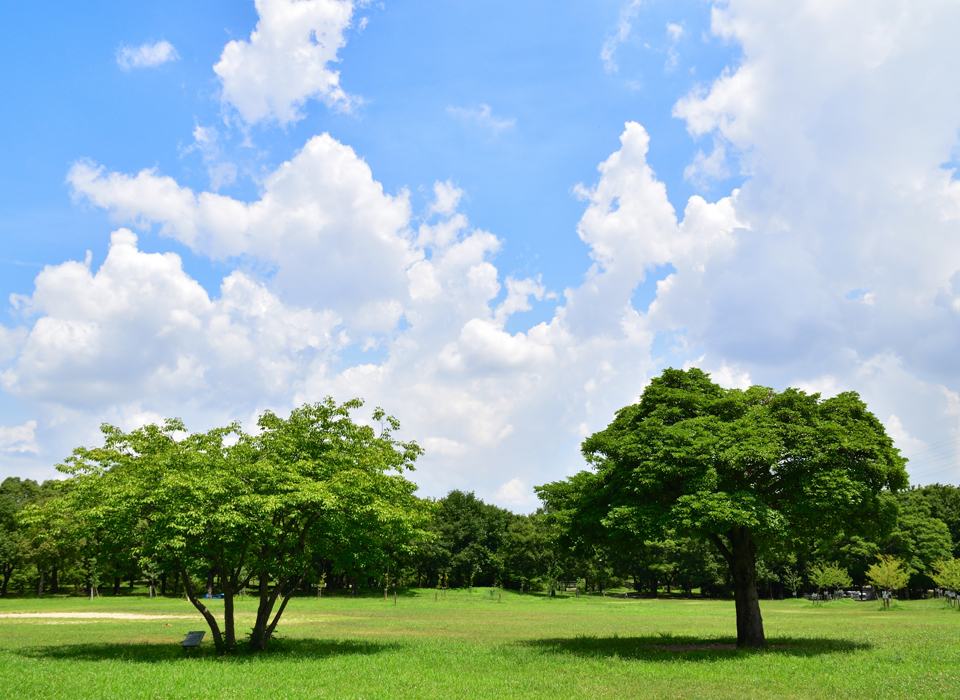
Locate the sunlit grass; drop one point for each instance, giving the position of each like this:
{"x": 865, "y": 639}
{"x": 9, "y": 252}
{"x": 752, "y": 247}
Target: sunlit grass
{"x": 469, "y": 645}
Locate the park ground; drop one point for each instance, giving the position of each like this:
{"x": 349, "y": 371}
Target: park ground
{"x": 469, "y": 645}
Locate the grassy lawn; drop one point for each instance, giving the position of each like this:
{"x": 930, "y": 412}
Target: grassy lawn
{"x": 468, "y": 645}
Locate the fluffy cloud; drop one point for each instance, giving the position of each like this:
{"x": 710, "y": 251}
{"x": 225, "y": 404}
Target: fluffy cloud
{"x": 841, "y": 114}
{"x": 334, "y": 237}
{"x": 146, "y": 55}
{"x": 140, "y": 328}
{"x": 139, "y": 338}
{"x": 286, "y": 61}
{"x": 19, "y": 438}
{"x": 836, "y": 266}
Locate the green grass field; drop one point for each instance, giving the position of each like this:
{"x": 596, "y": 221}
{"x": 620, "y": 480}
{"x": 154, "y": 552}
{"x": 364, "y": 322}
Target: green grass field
{"x": 468, "y": 645}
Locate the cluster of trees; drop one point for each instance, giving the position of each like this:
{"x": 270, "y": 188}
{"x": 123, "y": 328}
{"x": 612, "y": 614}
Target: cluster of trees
{"x": 693, "y": 489}
{"x": 244, "y": 514}
{"x": 464, "y": 542}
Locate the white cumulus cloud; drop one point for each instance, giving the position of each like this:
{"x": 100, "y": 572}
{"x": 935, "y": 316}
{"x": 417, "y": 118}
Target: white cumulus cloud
{"x": 287, "y": 60}
{"x": 839, "y": 115}
{"x": 19, "y": 438}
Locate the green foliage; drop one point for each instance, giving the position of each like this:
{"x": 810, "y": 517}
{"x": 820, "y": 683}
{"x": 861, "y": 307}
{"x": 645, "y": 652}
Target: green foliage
{"x": 946, "y": 574}
{"x": 466, "y": 537}
{"x": 30, "y": 533}
{"x": 748, "y": 470}
{"x": 792, "y": 580}
{"x": 889, "y": 573}
{"x": 829, "y": 576}
{"x": 919, "y": 539}
{"x": 704, "y": 460}
{"x": 944, "y": 503}
{"x": 250, "y": 508}
{"x": 528, "y": 556}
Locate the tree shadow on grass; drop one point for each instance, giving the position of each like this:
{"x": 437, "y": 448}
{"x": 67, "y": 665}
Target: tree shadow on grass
{"x": 685, "y": 648}
{"x": 151, "y": 653}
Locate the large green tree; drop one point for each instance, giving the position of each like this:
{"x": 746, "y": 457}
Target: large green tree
{"x": 745, "y": 470}
{"x": 253, "y": 509}
{"x": 467, "y": 536}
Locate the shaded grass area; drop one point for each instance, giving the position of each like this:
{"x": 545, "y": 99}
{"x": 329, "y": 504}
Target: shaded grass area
{"x": 686, "y": 648}
{"x": 469, "y": 645}
{"x": 152, "y": 653}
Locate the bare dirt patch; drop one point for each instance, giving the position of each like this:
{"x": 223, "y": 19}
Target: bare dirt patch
{"x": 101, "y": 616}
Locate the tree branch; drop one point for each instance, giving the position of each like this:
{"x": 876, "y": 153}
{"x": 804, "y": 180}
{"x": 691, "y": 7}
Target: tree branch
{"x": 276, "y": 618}
{"x": 718, "y": 543}
{"x": 207, "y": 615}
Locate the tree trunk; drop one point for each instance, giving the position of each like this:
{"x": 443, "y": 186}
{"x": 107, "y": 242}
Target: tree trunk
{"x": 229, "y": 628}
{"x": 210, "y": 574}
{"x": 153, "y": 588}
{"x": 54, "y": 580}
{"x": 741, "y": 557}
{"x": 7, "y": 573}
{"x": 163, "y": 584}
{"x": 207, "y": 615}
{"x": 39, "y": 582}
{"x": 116, "y": 585}
{"x": 263, "y": 613}
{"x": 263, "y": 628}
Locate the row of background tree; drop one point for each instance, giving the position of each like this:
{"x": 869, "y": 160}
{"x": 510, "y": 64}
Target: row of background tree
{"x": 472, "y": 543}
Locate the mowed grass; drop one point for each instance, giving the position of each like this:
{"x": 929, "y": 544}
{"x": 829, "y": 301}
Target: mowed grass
{"x": 469, "y": 645}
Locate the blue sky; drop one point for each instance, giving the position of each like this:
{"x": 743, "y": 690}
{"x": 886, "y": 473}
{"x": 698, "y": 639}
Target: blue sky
{"x": 430, "y": 230}
{"x": 534, "y": 66}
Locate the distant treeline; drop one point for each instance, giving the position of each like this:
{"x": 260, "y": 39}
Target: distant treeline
{"x": 466, "y": 542}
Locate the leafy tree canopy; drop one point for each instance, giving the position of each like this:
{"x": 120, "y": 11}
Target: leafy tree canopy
{"x": 742, "y": 468}
{"x": 254, "y": 508}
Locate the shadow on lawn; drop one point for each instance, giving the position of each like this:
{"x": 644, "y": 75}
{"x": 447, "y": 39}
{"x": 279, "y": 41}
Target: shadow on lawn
{"x": 149, "y": 653}
{"x": 679, "y": 648}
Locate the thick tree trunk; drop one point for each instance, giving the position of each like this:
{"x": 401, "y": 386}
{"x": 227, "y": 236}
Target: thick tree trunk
{"x": 263, "y": 613}
{"x": 228, "y": 586}
{"x": 210, "y": 575}
{"x": 116, "y": 585}
{"x": 741, "y": 557}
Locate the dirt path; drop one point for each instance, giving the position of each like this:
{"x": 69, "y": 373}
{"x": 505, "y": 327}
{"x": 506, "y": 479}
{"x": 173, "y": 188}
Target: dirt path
{"x": 91, "y": 615}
